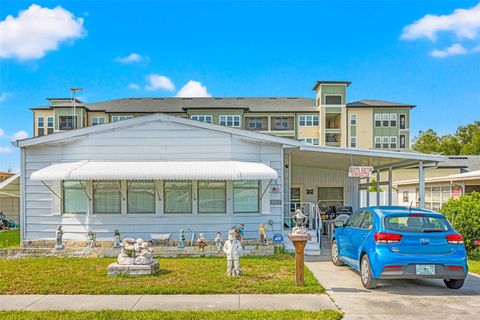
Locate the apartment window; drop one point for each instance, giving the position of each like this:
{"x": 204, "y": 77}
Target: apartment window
{"x": 120, "y": 118}
{"x": 393, "y": 119}
{"x": 107, "y": 197}
{"x": 312, "y": 141}
{"x": 378, "y": 120}
{"x": 66, "y": 122}
{"x": 202, "y": 118}
{"x": 333, "y": 99}
{"x": 98, "y": 120}
{"x": 74, "y": 197}
{"x": 403, "y": 144}
{"x": 378, "y": 142}
{"x": 353, "y": 142}
{"x": 385, "y": 118}
{"x": 50, "y": 126}
{"x": 308, "y": 121}
{"x": 385, "y": 142}
{"x": 280, "y": 123}
{"x": 177, "y": 197}
{"x": 141, "y": 197}
{"x": 40, "y": 126}
{"x": 230, "y": 121}
{"x": 403, "y": 121}
{"x": 353, "y": 119}
{"x": 246, "y": 196}
{"x": 406, "y": 197}
{"x": 212, "y": 197}
{"x": 393, "y": 142}
{"x": 255, "y": 123}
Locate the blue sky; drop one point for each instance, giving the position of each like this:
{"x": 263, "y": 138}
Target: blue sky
{"x": 242, "y": 49}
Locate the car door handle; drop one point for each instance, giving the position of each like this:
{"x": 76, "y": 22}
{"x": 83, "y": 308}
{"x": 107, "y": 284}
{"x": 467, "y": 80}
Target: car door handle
{"x": 364, "y": 236}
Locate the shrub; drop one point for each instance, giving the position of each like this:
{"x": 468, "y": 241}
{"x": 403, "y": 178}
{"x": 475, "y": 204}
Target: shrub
{"x": 464, "y": 215}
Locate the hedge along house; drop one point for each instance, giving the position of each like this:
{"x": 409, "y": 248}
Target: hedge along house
{"x": 160, "y": 173}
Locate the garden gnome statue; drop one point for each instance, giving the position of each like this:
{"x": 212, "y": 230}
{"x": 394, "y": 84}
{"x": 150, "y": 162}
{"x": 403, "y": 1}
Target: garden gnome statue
{"x": 116, "y": 239}
{"x": 262, "y": 232}
{"x": 218, "y": 241}
{"x": 59, "y": 238}
{"x": 201, "y": 242}
{"x": 91, "y": 237}
{"x": 181, "y": 239}
{"x": 233, "y": 250}
{"x": 242, "y": 231}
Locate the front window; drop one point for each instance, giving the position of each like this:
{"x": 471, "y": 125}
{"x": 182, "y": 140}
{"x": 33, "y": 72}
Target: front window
{"x": 98, "y": 120}
{"x": 416, "y": 223}
{"x": 202, "y": 118}
{"x": 74, "y": 197}
{"x": 50, "y": 125}
{"x": 353, "y": 119}
{"x": 66, "y": 122}
{"x": 141, "y": 197}
{"x": 107, "y": 197}
{"x": 330, "y": 196}
{"x": 120, "y": 118}
{"x": 230, "y": 121}
{"x": 40, "y": 126}
{"x": 333, "y": 99}
{"x": 177, "y": 197}
{"x": 246, "y": 195}
{"x": 212, "y": 197}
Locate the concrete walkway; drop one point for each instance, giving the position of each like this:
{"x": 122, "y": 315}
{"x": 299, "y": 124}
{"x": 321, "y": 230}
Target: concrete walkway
{"x": 396, "y": 299}
{"x": 166, "y": 302}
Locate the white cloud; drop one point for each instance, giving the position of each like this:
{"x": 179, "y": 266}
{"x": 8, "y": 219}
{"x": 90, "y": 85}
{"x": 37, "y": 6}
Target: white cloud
{"x": 464, "y": 23}
{"x": 36, "y": 31}
{"x": 19, "y": 135}
{"x": 5, "y": 150}
{"x": 2, "y": 132}
{"x": 454, "y": 50}
{"x": 132, "y": 58}
{"x": 193, "y": 89}
{"x": 133, "y": 86}
{"x": 158, "y": 82}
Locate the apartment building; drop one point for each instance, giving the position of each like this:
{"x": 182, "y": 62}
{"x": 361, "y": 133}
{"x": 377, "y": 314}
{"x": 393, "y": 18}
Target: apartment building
{"x": 326, "y": 120}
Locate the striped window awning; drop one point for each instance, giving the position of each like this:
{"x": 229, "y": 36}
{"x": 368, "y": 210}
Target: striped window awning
{"x": 155, "y": 170}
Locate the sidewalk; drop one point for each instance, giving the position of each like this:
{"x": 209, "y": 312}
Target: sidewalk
{"x": 167, "y": 302}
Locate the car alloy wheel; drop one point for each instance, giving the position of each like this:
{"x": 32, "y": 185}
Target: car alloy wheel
{"x": 334, "y": 253}
{"x": 366, "y": 274}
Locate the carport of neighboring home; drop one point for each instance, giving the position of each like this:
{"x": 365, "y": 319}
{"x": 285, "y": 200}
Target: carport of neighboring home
{"x": 159, "y": 174}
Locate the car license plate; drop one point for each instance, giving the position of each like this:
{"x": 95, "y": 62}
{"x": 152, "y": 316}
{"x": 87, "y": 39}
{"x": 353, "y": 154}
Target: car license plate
{"x": 425, "y": 269}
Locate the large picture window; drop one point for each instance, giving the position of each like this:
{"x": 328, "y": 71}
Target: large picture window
{"x": 107, "y": 197}
{"x": 177, "y": 197}
{"x": 212, "y": 197}
{"x": 141, "y": 197}
{"x": 74, "y": 197}
{"x": 246, "y": 194}
{"x": 230, "y": 121}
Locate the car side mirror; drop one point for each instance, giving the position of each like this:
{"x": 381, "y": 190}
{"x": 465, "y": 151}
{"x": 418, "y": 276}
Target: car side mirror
{"x": 340, "y": 224}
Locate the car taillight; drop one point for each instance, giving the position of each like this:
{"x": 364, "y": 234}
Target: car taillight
{"x": 385, "y": 237}
{"x": 416, "y": 215}
{"x": 455, "y": 238}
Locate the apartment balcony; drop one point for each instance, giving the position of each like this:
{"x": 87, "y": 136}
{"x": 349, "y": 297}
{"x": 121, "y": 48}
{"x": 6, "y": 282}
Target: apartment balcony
{"x": 333, "y": 139}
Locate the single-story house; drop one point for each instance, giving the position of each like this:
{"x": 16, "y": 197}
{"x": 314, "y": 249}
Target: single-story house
{"x": 160, "y": 173}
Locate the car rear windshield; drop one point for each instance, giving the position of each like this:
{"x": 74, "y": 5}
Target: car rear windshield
{"x": 416, "y": 223}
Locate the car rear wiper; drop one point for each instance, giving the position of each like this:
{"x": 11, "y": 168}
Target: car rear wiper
{"x": 432, "y": 230}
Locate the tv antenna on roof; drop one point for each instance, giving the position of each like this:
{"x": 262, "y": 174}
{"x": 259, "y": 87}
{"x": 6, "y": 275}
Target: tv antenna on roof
{"x": 74, "y": 98}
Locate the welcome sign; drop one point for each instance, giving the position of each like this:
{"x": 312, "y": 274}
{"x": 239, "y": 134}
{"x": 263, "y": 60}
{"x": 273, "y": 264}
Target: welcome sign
{"x": 360, "y": 171}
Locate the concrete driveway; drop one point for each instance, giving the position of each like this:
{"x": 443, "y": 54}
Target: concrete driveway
{"x": 396, "y": 299}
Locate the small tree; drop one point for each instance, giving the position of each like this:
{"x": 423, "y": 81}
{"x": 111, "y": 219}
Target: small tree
{"x": 373, "y": 186}
{"x": 464, "y": 215}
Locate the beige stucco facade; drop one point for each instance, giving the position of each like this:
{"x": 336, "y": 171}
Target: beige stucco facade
{"x": 363, "y": 130}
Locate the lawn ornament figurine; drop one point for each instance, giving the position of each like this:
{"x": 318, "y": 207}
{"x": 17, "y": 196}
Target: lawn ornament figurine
{"x": 233, "y": 250}
{"x": 59, "y": 238}
{"x": 241, "y": 230}
{"x": 262, "y": 233}
{"x": 116, "y": 239}
{"x": 201, "y": 242}
{"x": 300, "y": 221}
{"x": 218, "y": 241}
{"x": 181, "y": 239}
{"x": 135, "y": 259}
{"x": 91, "y": 237}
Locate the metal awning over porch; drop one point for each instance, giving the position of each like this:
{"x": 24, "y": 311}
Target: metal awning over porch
{"x": 155, "y": 170}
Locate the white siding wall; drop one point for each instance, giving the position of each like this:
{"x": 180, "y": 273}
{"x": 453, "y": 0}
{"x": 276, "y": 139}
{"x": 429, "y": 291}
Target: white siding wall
{"x": 148, "y": 141}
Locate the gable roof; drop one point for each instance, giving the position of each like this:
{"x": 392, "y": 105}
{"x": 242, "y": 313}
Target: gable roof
{"x": 368, "y": 103}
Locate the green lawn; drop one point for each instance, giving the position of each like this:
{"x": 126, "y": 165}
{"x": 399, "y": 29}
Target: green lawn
{"x": 10, "y": 239}
{"x": 474, "y": 265}
{"x": 272, "y": 275}
{"x": 171, "y": 315}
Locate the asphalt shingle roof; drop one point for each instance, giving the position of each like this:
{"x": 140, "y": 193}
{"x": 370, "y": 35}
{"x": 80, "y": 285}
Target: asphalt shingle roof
{"x": 377, "y": 103}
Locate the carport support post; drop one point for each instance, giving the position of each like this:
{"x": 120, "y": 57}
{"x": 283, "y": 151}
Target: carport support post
{"x": 368, "y": 191}
{"x": 421, "y": 184}
{"x": 378, "y": 189}
{"x": 390, "y": 186}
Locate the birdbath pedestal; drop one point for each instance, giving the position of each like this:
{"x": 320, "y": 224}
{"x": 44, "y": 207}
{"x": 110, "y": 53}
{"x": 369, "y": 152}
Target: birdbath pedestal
{"x": 299, "y": 241}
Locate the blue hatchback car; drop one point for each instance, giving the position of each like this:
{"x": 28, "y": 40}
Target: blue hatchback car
{"x": 400, "y": 243}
